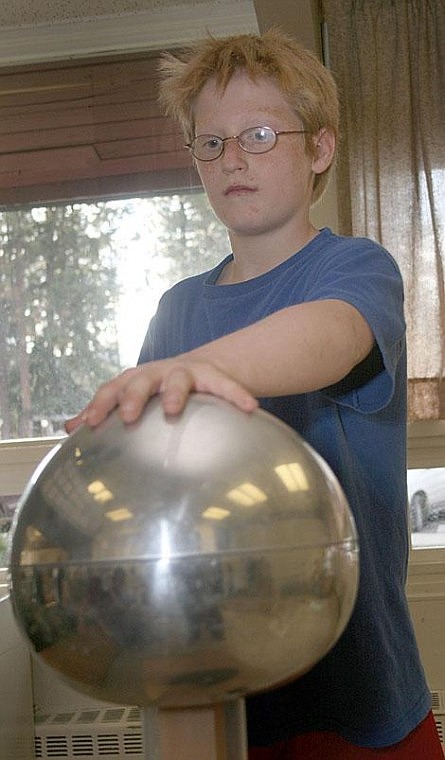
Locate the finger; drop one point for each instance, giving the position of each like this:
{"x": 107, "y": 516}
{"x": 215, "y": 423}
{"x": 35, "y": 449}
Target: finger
{"x": 74, "y": 422}
{"x": 210, "y": 379}
{"x": 181, "y": 381}
{"x": 242, "y": 399}
{"x": 143, "y": 384}
{"x": 176, "y": 389}
{"x": 225, "y": 387}
{"x": 108, "y": 397}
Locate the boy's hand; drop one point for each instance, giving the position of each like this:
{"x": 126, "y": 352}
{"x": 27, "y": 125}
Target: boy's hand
{"x": 175, "y": 379}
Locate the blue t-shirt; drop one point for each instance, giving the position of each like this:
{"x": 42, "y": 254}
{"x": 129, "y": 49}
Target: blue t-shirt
{"x": 370, "y": 688}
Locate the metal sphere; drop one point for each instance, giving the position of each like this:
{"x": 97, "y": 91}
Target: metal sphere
{"x": 183, "y": 561}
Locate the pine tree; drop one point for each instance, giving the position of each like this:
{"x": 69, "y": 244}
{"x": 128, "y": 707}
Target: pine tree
{"x": 57, "y": 332}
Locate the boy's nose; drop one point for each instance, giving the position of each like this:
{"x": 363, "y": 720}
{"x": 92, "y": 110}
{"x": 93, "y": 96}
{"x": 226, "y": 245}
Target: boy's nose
{"x": 233, "y": 156}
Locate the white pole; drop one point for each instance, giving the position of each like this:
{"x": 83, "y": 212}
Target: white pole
{"x": 216, "y": 732}
{"x": 151, "y": 733}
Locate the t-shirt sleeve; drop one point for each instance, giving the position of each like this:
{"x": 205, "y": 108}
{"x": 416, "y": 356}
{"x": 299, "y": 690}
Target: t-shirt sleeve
{"x": 158, "y": 342}
{"x": 168, "y": 333}
{"x": 151, "y": 347}
{"x": 366, "y": 276}
{"x": 145, "y": 354}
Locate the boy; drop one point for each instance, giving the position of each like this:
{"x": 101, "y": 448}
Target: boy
{"x": 310, "y": 325}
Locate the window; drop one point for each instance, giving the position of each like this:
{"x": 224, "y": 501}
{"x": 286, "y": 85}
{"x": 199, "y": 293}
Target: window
{"x": 80, "y": 283}
{"x": 426, "y": 488}
{"x": 426, "y": 498}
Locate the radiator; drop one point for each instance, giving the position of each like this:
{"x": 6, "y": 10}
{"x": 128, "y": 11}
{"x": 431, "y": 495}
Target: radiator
{"x": 438, "y": 702}
{"x": 102, "y": 734}
{"x": 116, "y": 732}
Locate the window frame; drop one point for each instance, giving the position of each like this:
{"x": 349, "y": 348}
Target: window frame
{"x": 19, "y": 459}
{"x": 426, "y": 448}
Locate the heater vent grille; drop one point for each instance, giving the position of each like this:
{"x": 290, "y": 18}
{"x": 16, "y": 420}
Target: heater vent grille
{"x": 82, "y": 746}
{"x": 438, "y": 704}
{"x": 133, "y": 744}
{"x": 102, "y": 734}
{"x": 108, "y": 734}
{"x": 57, "y": 746}
{"x": 38, "y": 747}
{"x": 440, "y": 723}
{"x": 438, "y": 701}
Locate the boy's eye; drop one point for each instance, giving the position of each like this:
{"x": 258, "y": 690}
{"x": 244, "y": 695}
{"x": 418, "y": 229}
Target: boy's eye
{"x": 213, "y": 143}
{"x": 260, "y": 134}
{"x": 257, "y": 139}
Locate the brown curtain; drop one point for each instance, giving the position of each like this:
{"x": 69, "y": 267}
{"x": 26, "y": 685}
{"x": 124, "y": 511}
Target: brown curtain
{"x": 388, "y": 57}
{"x": 87, "y": 129}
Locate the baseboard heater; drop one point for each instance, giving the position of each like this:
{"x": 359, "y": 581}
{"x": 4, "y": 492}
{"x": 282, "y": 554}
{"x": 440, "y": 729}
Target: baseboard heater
{"x": 116, "y": 732}
{"x": 100, "y": 733}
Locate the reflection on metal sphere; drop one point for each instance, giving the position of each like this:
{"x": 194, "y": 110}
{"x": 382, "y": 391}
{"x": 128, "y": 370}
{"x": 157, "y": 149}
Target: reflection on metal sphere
{"x": 183, "y": 561}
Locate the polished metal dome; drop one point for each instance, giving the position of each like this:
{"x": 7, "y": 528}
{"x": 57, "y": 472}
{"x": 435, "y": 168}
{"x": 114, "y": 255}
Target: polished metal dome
{"x": 183, "y": 561}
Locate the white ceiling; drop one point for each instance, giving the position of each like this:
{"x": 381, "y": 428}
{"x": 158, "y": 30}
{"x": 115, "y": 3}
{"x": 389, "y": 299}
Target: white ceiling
{"x": 45, "y": 30}
{"x": 25, "y": 13}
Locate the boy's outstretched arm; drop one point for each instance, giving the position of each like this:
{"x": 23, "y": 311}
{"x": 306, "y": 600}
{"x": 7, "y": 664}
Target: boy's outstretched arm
{"x": 295, "y": 350}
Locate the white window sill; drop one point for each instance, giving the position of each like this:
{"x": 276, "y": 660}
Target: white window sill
{"x": 426, "y": 448}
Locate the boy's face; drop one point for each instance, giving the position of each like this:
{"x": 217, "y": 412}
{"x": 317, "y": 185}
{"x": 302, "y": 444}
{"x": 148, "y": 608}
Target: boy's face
{"x": 256, "y": 194}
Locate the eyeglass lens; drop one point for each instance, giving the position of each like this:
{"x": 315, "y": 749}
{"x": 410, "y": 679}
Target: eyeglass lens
{"x": 252, "y": 140}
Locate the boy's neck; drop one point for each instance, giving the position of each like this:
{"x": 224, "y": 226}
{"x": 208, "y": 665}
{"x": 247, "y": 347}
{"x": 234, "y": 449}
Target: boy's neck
{"x": 254, "y": 256}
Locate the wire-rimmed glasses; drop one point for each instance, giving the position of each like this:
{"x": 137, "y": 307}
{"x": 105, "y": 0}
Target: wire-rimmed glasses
{"x": 251, "y": 140}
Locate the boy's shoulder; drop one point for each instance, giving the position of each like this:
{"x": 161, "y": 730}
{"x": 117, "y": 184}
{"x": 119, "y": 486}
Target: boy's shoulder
{"x": 332, "y": 245}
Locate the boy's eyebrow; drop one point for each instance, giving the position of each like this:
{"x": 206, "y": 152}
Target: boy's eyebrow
{"x": 258, "y": 122}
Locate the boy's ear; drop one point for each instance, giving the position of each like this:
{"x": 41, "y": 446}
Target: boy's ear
{"x": 324, "y": 150}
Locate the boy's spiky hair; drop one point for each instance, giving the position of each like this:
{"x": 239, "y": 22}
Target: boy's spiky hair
{"x": 306, "y": 84}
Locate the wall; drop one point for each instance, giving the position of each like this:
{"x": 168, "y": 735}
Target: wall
{"x": 16, "y": 698}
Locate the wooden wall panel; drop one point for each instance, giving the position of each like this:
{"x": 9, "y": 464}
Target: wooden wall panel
{"x": 73, "y": 130}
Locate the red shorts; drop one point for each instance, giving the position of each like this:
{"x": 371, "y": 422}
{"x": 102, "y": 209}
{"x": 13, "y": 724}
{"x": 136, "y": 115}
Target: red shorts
{"x": 421, "y": 744}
